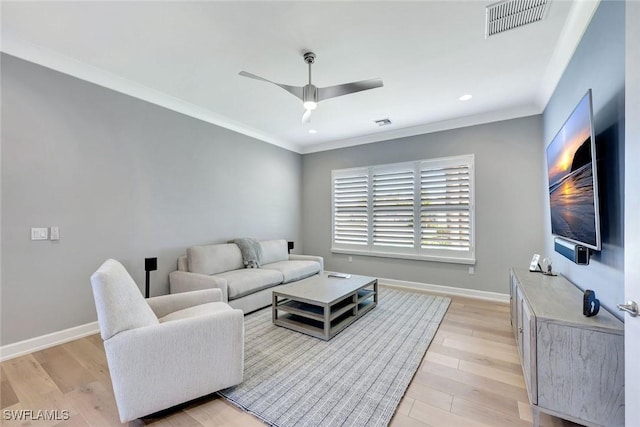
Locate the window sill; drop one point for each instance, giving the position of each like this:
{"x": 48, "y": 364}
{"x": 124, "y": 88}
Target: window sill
{"x": 452, "y": 260}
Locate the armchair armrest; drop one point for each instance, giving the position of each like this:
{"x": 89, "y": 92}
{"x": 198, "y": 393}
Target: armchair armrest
{"x": 165, "y": 304}
{"x": 184, "y": 281}
{"x": 319, "y": 259}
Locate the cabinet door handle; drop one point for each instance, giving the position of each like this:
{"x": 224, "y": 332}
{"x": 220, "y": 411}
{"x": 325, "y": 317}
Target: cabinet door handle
{"x": 520, "y": 330}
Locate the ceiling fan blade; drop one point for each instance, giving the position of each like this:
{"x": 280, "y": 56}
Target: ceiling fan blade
{"x": 294, "y": 90}
{"x": 306, "y": 117}
{"x": 347, "y": 88}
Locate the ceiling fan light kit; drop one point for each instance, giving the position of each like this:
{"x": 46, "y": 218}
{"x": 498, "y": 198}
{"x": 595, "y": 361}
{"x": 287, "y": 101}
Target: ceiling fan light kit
{"x": 311, "y": 95}
{"x": 310, "y": 98}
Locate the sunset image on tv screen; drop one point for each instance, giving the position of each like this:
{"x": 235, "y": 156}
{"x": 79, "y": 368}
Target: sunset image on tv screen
{"x": 571, "y": 183}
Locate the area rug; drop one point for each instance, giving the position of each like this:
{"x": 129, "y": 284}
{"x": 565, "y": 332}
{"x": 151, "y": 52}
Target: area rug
{"x": 355, "y": 379}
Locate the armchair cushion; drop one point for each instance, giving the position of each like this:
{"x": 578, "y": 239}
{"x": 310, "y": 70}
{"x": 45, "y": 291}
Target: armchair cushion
{"x": 196, "y": 310}
{"x": 119, "y": 302}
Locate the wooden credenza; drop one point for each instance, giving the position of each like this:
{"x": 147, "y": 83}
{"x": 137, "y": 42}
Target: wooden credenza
{"x": 573, "y": 365}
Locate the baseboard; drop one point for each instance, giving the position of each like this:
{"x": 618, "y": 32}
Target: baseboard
{"x": 21, "y": 348}
{"x": 440, "y": 289}
{"x": 448, "y": 290}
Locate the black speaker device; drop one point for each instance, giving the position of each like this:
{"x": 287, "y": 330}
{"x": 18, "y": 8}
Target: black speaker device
{"x": 572, "y": 251}
{"x": 590, "y": 304}
{"x": 150, "y": 264}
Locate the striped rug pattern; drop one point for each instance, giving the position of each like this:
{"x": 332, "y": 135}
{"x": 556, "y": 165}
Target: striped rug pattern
{"x": 355, "y": 379}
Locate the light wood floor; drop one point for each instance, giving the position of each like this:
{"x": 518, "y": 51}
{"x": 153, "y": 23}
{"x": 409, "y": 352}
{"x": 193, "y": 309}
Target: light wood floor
{"x": 470, "y": 376}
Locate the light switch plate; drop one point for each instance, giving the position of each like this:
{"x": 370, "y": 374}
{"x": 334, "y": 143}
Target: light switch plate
{"x": 39, "y": 233}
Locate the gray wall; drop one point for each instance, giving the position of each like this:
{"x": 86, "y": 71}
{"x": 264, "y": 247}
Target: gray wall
{"x": 122, "y": 179}
{"x": 508, "y": 201}
{"x": 598, "y": 63}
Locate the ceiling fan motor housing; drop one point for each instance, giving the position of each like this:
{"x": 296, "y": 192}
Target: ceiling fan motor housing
{"x": 309, "y": 96}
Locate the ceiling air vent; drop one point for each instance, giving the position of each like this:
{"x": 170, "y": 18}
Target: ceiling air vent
{"x": 510, "y": 14}
{"x": 383, "y": 122}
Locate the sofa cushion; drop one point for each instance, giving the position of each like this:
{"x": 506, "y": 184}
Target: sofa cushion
{"x": 183, "y": 265}
{"x": 274, "y": 251}
{"x": 196, "y": 310}
{"x": 249, "y": 280}
{"x": 212, "y": 259}
{"x": 294, "y": 270}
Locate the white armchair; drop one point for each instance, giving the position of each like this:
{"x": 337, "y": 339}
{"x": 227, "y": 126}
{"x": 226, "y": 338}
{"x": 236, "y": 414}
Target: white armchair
{"x": 168, "y": 349}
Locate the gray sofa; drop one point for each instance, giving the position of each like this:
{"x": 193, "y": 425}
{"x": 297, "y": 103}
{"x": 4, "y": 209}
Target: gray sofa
{"x": 221, "y": 266}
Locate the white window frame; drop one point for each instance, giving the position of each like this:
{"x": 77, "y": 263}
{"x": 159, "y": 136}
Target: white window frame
{"x": 450, "y": 255}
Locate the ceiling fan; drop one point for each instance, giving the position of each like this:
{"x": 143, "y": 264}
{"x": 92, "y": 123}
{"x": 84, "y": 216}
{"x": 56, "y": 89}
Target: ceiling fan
{"x": 311, "y": 95}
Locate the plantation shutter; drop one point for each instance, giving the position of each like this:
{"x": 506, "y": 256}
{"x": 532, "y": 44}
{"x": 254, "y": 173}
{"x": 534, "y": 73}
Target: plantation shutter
{"x": 350, "y": 209}
{"x": 393, "y": 205}
{"x": 445, "y": 206}
{"x": 420, "y": 210}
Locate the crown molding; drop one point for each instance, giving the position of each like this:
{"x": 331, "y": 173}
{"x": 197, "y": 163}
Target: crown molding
{"x": 81, "y": 70}
{"x": 479, "y": 119}
{"x": 577, "y": 22}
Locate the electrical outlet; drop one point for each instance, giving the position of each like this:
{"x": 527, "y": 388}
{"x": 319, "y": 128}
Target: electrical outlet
{"x": 472, "y": 270}
{"x": 350, "y": 258}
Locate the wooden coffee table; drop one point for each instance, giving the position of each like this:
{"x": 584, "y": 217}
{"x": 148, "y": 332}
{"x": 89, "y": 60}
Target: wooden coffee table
{"x": 323, "y": 306}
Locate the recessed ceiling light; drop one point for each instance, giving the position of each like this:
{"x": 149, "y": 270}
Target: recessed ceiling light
{"x": 465, "y": 97}
{"x": 313, "y": 131}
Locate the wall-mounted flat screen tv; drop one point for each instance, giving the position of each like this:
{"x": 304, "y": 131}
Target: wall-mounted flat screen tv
{"x": 573, "y": 179}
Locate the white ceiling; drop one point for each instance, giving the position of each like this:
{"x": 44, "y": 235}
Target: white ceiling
{"x": 186, "y": 56}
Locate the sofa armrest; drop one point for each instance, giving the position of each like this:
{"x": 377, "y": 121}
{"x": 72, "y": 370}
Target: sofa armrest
{"x": 166, "y": 304}
{"x": 184, "y": 281}
{"x": 318, "y": 259}
{"x": 158, "y": 366}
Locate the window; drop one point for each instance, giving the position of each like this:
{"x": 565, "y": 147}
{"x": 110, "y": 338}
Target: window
{"x": 414, "y": 210}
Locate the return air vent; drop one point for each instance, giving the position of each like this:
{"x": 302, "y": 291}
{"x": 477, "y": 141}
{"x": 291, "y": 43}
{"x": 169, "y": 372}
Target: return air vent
{"x": 510, "y": 14}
